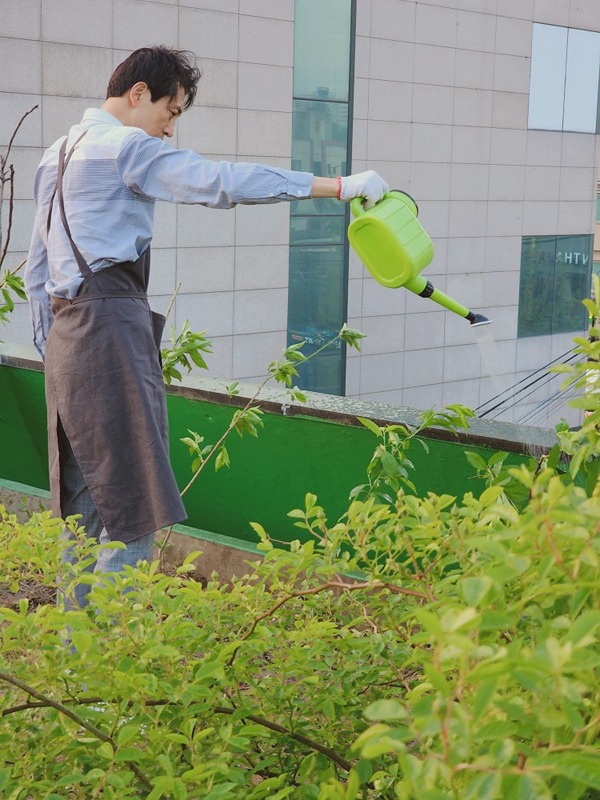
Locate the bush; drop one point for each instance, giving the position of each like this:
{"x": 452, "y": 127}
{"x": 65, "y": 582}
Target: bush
{"x": 418, "y": 649}
{"x": 424, "y": 650}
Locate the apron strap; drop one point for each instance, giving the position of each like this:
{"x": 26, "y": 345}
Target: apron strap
{"x": 68, "y": 158}
{"x": 63, "y": 162}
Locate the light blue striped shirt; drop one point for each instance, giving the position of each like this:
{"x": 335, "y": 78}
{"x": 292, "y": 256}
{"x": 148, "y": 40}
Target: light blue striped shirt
{"x": 110, "y": 186}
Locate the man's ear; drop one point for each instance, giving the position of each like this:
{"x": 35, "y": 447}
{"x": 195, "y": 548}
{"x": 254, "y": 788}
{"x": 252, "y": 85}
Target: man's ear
{"x": 136, "y": 92}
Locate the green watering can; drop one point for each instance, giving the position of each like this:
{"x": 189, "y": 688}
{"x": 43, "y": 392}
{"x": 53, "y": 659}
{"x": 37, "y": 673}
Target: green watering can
{"x": 394, "y": 247}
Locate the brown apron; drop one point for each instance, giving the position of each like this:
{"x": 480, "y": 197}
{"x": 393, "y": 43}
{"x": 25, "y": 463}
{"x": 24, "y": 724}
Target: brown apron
{"x": 104, "y": 382}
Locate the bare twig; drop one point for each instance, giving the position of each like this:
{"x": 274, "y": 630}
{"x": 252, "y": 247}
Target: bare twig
{"x": 4, "y": 158}
{"x": 162, "y": 547}
{"x": 11, "y": 205}
{"x": 10, "y": 178}
{"x": 172, "y": 300}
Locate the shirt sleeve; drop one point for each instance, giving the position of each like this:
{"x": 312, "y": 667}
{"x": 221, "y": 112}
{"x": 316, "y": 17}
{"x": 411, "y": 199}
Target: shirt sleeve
{"x": 36, "y": 275}
{"x": 153, "y": 168}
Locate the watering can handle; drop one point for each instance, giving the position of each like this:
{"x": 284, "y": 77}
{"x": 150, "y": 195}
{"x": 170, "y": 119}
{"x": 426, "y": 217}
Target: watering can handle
{"x": 357, "y": 208}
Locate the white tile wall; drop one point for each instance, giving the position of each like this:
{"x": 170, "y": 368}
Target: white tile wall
{"x": 264, "y": 133}
{"x": 210, "y": 34}
{"x": 205, "y": 269}
{"x": 261, "y": 266}
{"x": 253, "y": 352}
{"x": 441, "y": 105}
{"x": 264, "y": 40}
{"x": 260, "y": 311}
{"x": 283, "y": 9}
{"x": 509, "y": 110}
{"x": 393, "y": 19}
{"x": 434, "y": 65}
{"x": 265, "y": 87}
{"x": 210, "y": 311}
{"x": 476, "y": 31}
{"x": 136, "y": 26}
{"x": 21, "y": 71}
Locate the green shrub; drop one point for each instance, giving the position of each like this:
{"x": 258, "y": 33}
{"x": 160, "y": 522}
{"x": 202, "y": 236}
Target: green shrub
{"x": 419, "y": 649}
{"x": 453, "y": 654}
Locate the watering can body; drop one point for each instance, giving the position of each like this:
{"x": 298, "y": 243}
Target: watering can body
{"x": 389, "y": 239}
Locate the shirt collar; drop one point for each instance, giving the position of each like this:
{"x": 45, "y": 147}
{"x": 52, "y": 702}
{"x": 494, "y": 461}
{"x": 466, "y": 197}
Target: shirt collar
{"x": 97, "y": 116}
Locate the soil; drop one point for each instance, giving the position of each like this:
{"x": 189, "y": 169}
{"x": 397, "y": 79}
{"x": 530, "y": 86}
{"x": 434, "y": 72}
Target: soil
{"x": 36, "y": 593}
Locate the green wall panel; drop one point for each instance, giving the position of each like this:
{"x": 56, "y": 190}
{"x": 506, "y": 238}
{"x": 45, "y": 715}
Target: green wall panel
{"x": 269, "y": 475}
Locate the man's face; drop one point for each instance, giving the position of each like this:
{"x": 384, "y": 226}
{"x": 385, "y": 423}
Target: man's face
{"x": 159, "y": 118}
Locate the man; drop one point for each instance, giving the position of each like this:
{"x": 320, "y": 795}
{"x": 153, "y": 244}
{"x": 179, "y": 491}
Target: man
{"x": 87, "y": 275}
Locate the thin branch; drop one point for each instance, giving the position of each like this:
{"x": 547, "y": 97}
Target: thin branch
{"x": 76, "y": 701}
{"x": 11, "y": 204}
{"x": 299, "y": 737}
{"x": 4, "y": 158}
{"x": 45, "y": 702}
{"x": 63, "y": 709}
{"x": 348, "y": 587}
{"x": 11, "y": 179}
{"x": 172, "y": 300}
{"x": 223, "y": 436}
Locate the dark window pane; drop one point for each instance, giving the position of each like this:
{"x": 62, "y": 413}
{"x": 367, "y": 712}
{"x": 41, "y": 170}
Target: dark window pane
{"x": 555, "y": 278}
{"x": 572, "y": 281}
{"x": 316, "y": 312}
{"x": 318, "y": 244}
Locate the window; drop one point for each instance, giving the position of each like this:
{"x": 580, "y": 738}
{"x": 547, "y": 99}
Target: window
{"x": 555, "y": 278}
{"x": 563, "y": 89}
{"x": 320, "y": 144}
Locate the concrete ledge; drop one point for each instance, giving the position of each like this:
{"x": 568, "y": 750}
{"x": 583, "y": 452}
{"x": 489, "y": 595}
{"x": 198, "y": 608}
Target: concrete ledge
{"x": 493, "y": 434}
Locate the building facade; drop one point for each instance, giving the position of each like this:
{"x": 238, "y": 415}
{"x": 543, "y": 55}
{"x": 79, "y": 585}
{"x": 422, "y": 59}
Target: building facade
{"x": 484, "y": 111}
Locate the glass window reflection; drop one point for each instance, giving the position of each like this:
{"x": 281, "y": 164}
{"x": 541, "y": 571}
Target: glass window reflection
{"x": 322, "y": 29}
{"x": 555, "y": 278}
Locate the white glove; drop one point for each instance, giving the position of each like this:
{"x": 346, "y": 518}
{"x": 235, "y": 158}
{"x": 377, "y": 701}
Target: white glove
{"x": 368, "y": 184}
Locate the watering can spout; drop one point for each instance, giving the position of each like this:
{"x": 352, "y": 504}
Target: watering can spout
{"x": 477, "y": 319}
{"x": 424, "y": 288}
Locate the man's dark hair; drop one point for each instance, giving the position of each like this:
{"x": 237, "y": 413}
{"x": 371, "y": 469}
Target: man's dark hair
{"x": 162, "y": 69}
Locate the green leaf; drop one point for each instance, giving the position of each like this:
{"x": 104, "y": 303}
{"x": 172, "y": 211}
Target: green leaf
{"x": 475, "y": 460}
{"x": 5, "y": 775}
{"x": 209, "y": 669}
{"x": 474, "y": 590}
{"x": 483, "y": 697}
{"x": 127, "y": 734}
{"x": 532, "y": 787}
{"x": 82, "y": 641}
{"x": 583, "y": 631}
{"x": 222, "y": 459}
{"x": 9, "y": 305}
{"x": 372, "y": 426}
{"x": 105, "y": 751}
{"x": 129, "y": 754}
{"x": 162, "y": 787}
{"x": 483, "y": 787}
{"x": 500, "y": 729}
{"x": 581, "y": 767}
{"x": 384, "y": 710}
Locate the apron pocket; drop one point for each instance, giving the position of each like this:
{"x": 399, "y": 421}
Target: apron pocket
{"x": 158, "y": 327}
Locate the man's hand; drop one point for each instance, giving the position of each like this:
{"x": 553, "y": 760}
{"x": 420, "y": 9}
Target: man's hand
{"x": 368, "y": 184}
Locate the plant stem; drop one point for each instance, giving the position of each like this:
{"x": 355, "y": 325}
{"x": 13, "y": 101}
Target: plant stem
{"x": 348, "y": 587}
{"x": 63, "y": 709}
{"x": 172, "y": 300}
